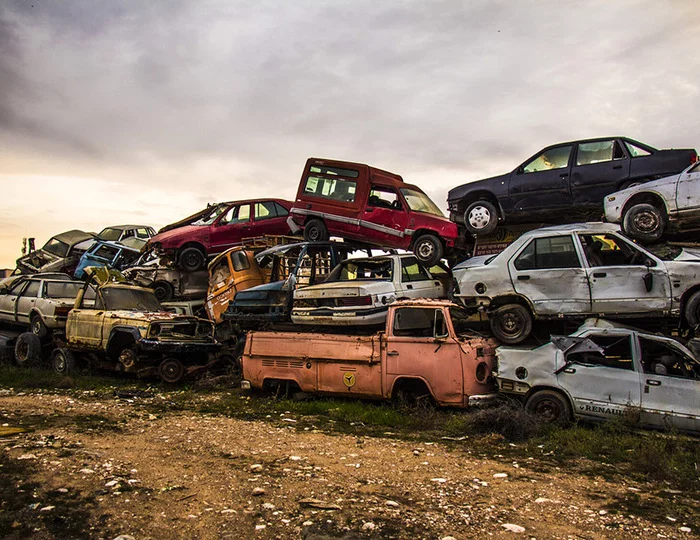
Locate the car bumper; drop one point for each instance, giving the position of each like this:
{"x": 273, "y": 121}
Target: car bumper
{"x": 176, "y": 347}
{"x": 347, "y": 317}
{"x": 482, "y": 400}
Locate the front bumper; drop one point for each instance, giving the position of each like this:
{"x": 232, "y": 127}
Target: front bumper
{"x": 336, "y": 317}
{"x": 176, "y": 347}
{"x": 482, "y": 400}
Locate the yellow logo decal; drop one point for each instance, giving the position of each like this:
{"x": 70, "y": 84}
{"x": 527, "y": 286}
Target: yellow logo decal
{"x": 349, "y": 379}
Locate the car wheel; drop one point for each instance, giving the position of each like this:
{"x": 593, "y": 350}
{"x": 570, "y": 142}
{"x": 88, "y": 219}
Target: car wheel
{"x": 316, "y": 231}
{"x": 63, "y": 362}
{"x": 428, "y": 249}
{"x": 191, "y": 259}
{"x": 38, "y": 327}
{"x": 28, "y": 349}
{"x": 171, "y": 370}
{"x": 511, "y": 323}
{"x": 644, "y": 222}
{"x": 692, "y": 310}
{"x": 128, "y": 357}
{"x": 550, "y": 406}
{"x": 163, "y": 291}
{"x": 481, "y": 218}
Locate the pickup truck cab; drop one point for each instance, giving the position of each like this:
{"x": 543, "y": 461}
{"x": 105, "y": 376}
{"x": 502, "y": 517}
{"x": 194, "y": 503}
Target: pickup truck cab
{"x": 125, "y": 328}
{"x": 424, "y": 352}
{"x": 365, "y": 204}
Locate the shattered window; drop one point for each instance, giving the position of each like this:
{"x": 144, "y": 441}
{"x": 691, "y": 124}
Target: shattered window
{"x": 359, "y": 269}
{"x": 420, "y": 202}
{"x": 662, "y": 358}
{"x": 56, "y": 247}
{"x": 55, "y": 289}
{"x": 236, "y": 214}
{"x": 220, "y": 273}
{"x": 411, "y": 270}
{"x": 617, "y": 353}
{"x": 106, "y": 252}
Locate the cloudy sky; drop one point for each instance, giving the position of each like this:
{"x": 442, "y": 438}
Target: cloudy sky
{"x": 122, "y": 111}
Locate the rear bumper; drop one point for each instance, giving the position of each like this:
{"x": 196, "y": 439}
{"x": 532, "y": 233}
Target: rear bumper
{"x": 482, "y": 400}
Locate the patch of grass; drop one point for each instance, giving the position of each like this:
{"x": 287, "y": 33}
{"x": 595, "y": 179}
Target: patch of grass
{"x": 34, "y": 379}
{"x": 510, "y": 419}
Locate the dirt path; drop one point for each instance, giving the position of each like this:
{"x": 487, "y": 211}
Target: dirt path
{"x": 101, "y": 468}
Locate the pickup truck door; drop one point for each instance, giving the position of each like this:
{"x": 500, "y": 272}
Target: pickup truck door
{"x": 549, "y": 273}
{"x": 418, "y": 348}
{"x": 602, "y": 385}
{"x": 384, "y": 217}
{"x": 671, "y": 386}
{"x": 84, "y": 327}
{"x": 688, "y": 193}
{"x": 619, "y": 274}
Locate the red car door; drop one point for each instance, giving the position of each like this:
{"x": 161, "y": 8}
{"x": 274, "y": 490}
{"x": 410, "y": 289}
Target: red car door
{"x": 230, "y": 228}
{"x": 384, "y": 218}
{"x": 269, "y": 217}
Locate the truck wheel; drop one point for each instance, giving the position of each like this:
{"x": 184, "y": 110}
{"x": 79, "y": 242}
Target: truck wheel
{"x": 127, "y": 357}
{"x": 63, "y": 362}
{"x": 28, "y": 350}
{"x": 163, "y": 291}
{"x": 550, "y": 406}
{"x": 428, "y": 249}
{"x": 481, "y": 218}
{"x": 511, "y": 323}
{"x": 171, "y": 370}
{"x": 316, "y": 231}
{"x": 38, "y": 327}
{"x": 191, "y": 259}
{"x": 644, "y": 222}
{"x": 691, "y": 310}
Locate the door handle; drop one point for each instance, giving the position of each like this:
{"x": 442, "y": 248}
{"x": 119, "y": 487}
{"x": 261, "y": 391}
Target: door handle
{"x": 563, "y": 175}
{"x": 653, "y": 382}
{"x": 523, "y": 278}
{"x": 599, "y": 274}
{"x": 392, "y": 353}
{"x": 569, "y": 370}
{"x": 369, "y": 209}
{"x": 409, "y": 286}
{"x": 617, "y": 166}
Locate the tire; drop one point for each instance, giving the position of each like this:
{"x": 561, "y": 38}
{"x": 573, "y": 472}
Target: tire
{"x": 171, "y": 370}
{"x": 37, "y": 326}
{"x": 644, "y": 222}
{"x": 550, "y": 406}
{"x": 691, "y": 310}
{"x": 316, "y": 231}
{"x": 63, "y": 362}
{"x": 428, "y": 249}
{"x": 163, "y": 291}
{"x": 191, "y": 259}
{"x": 28, "y": 350}
{"x": 511, "y": 323}
{"x": 128, "y": 357}
{"x": 481, "y": 218}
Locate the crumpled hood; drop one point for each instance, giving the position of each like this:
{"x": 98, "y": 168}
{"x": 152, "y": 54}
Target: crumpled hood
{"x": 150, "y": 316}
{"x": 345, "y": 288}
{"x": 461, "y": 191}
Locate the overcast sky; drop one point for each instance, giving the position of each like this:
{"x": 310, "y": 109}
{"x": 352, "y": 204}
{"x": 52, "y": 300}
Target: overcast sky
{"x": 130, "y": 111}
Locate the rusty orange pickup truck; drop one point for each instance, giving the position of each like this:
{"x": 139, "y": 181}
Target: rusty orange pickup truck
{"x": 426, "y": 352}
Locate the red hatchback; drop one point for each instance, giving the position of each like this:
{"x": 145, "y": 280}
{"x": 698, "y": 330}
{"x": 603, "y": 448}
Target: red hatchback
{"x": 365, "y": 204}
{"x": 222, "y": 229}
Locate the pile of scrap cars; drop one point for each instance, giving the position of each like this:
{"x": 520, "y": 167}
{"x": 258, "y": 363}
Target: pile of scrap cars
{"x": 385, "y": 297}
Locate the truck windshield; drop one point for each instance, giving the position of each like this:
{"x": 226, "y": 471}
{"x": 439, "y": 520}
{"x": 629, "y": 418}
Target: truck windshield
{"x": 110, "y": 234}
{"x": 362, "y": 269}
{"x": 116, "y": 298}
{"x": 420, "y": 202}
{"x": 56, "y": 247}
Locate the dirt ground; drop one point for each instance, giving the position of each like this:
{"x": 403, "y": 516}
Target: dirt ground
{"x": 101, "y": 467}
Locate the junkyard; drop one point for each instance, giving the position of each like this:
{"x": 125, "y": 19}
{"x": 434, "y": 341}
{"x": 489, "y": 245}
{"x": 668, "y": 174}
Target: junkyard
{"x": 334, "y": 271}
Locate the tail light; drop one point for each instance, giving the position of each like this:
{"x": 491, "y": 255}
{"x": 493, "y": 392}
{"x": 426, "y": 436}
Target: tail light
{"x": 693, "y": 158}
{"x": 62, "y": 311}
{"x": 355, "y": 301}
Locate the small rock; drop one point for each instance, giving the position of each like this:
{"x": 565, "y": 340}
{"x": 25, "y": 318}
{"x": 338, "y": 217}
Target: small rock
{"x": 47, "y": 509}
{"x": 111, "y": 483}
{"x": 439, "y": 480}
{"x": 307, "y": 523}
{"x": 448, "y": 538}
{"x": 513, "y": 528}
{"x": 62, "y": 490}
{"x": 500, "y": 475}
{"x": 256, "y": 467}
{"x": 368, "y": 526}
{"x": 670, "y": 518}
{"x": 391, "y": 503}
{"x": 27, "y": 456}
{"x": 260, "y": 527}
{"x": 685, "y": 529}
{"x": 294, "y": 458}
{"x": 268, "y": 506}
{"x": 416, "y": 453}
{"x": 258, "y": 491}
{"x": 124, "y": 537}
{"x": 541, "y": 500}
{"x": 602, "y": 512}
{"x": 86, "y": 471}
{"x": 228, "y": 511}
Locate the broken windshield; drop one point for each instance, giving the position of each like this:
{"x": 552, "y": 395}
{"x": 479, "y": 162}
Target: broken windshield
{"x": 210, "y": 217}
{"x": 117, "y": 298}
{"x": 362, "y": 269}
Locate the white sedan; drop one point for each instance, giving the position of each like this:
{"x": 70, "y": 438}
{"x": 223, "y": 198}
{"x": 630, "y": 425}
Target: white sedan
{"x": 359, "y": 291}
{"x": 606, "y": 370}
{"x": 646, "y": 210}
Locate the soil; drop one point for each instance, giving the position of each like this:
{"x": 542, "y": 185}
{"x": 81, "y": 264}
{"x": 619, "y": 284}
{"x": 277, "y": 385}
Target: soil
{"x": 100, "y": 466}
